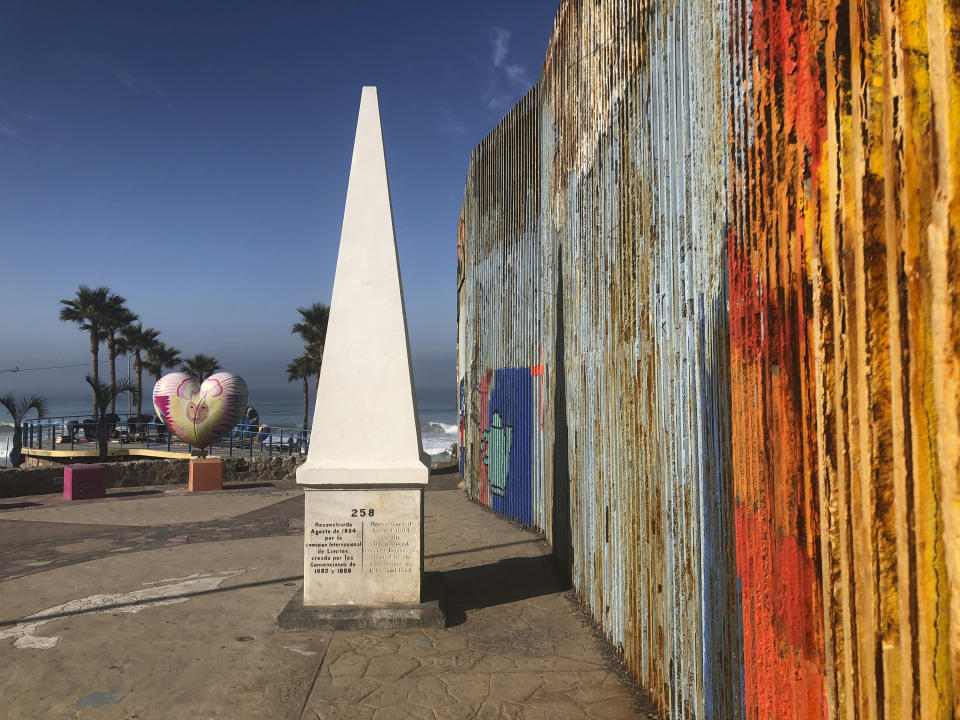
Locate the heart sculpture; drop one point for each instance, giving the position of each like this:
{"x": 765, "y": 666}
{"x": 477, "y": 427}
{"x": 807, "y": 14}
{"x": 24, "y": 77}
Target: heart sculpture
{"x": 200, "y": 413}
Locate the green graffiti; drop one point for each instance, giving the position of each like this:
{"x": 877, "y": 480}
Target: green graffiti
{"x": 497, "y": 442}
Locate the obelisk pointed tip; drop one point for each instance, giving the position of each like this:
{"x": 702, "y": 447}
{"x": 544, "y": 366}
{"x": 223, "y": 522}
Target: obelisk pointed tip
{"x": 369, "y": 109}
{"x": 368, "y": 95}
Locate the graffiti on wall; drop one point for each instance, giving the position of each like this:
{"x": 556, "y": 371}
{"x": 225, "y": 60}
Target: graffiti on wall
{"x": 503, "y": 420}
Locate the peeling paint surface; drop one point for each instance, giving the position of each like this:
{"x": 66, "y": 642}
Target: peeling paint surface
{"x": 708, "y": 275}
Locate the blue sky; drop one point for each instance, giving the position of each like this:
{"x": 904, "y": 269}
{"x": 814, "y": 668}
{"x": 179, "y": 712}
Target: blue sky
{"x": 194, "y": 157}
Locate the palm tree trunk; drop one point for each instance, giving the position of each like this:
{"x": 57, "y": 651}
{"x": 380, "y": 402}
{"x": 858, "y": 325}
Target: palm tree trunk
{"x": 306, "y": 403}
{"x": 112, "y": 354}
{"x": 16, "y": 459}
{"x": 103, "y": 439}
{"x": 139, "y": 366}
{"x": 94, "y": 354}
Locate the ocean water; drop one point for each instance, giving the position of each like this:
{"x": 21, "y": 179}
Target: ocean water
{"x": 6, "y": 433}
{"x": 436, "y": 411}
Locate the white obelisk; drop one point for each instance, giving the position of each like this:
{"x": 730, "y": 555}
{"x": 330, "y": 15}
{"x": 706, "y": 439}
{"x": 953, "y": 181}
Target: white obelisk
{"x": 366, "y": 469}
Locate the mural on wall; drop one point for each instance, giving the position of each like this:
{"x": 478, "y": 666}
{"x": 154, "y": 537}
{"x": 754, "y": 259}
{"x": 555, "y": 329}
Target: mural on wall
{"x": 511, "y": 406}
{"x": 503, "y": 418}
{"x": 733, "y": 229}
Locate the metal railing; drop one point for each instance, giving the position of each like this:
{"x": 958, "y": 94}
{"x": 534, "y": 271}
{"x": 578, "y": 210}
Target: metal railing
{"x": 147, "y": 431}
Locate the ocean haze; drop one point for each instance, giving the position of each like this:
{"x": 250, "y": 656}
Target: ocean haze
{"x": 265, "y": 376}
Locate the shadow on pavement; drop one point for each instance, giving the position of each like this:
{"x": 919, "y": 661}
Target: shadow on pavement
{"x": 445, "y": 470}
{"x": 134, "y": 493}
{"x": 504, "y": 581}
{"x": 484, "y": 547}
{"x": 247, "y": 485}
{"x": 15, "y": 505}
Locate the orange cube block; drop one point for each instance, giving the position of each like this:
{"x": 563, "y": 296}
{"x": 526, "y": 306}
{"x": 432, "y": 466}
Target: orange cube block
{"x": 206, "y": 474}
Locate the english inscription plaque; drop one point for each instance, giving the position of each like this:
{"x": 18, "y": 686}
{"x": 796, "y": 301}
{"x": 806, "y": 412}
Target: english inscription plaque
{"x": 362, "y": 547}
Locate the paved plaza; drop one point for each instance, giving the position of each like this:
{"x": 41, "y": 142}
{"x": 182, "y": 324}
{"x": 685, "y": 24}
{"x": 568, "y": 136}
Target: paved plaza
{"x": 158, "y": 603}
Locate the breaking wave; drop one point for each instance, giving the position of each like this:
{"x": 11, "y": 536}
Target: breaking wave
{"x": 437, "y": 437}
{"x": 439, "y": 427}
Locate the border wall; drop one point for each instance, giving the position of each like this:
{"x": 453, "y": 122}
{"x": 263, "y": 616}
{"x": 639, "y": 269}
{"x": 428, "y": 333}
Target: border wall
{"x": 708, "y": 301}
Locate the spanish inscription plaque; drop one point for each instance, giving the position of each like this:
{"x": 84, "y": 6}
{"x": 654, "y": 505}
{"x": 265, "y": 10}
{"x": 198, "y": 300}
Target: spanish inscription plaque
{"x": 362, "y": 547}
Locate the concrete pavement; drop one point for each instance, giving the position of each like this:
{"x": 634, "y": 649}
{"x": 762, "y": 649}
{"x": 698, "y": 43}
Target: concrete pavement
{"x": 156, "y": 603}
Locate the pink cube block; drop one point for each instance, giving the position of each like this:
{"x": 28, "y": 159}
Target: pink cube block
{"x": 84, "y": 482}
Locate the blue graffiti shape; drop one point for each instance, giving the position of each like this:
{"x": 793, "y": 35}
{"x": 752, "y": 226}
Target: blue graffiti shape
{"x": 511, "y": 396}
{"x": 498, "y": 441}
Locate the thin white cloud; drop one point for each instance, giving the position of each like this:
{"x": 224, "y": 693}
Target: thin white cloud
{"x": 500, "y": 40}
{"x": 139, "y": 85}
{"x": 503, "y": 76}
{"x": 499, "y": 102}
{"x": 518, "y": 74}
{"x": 495, "y": 98}
{"x": 9, "y": 130}
{"x": 126, "y": 79}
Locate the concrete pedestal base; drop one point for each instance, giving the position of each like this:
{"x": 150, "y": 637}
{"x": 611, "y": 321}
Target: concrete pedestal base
{"x": 395, "y": 616}
{"x": 206, "y": 474}
{"x": 362, "y": 547}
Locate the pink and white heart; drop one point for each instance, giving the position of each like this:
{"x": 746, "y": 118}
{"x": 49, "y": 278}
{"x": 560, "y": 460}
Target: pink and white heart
{"x": 200, "y": 413}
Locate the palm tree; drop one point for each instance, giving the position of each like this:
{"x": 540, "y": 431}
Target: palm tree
{"x": 134, "y": 339}
{"x": 301, "y": 369}
{"x": 87, "y": 309}
{"x": 160, "y": 356}
{"x": 116, "y": 317}
{"x": 312, "y": 329}
{"x": 200, "y": 366}
{"x": 314, "y": 355}
{"x": 18, "y": 407}
{"x": 313, "y": 324}
{"x": 105, "y": 394}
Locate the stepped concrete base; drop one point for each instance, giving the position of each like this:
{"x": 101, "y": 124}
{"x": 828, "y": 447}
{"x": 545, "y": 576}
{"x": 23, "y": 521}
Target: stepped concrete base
{"x": 429, "y": 613}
